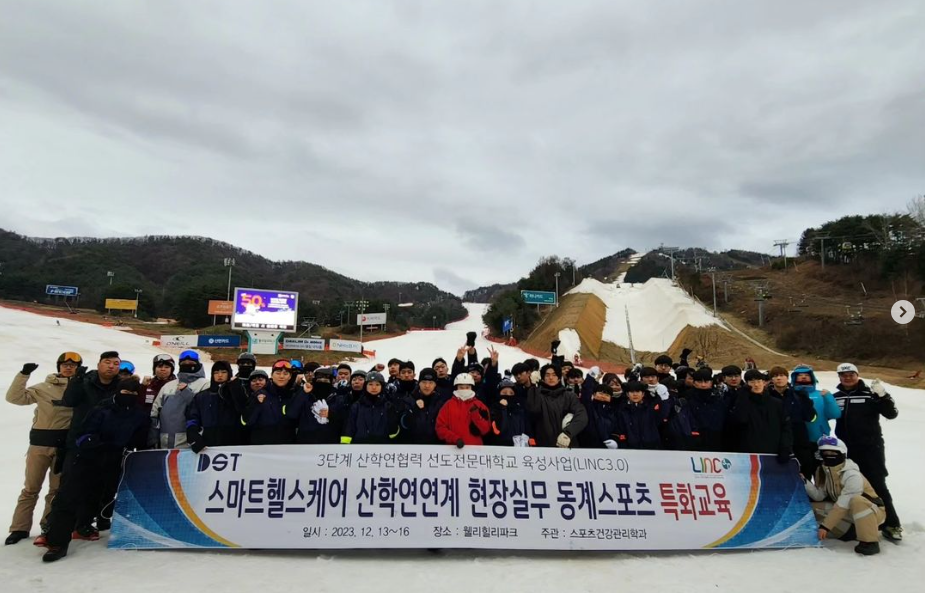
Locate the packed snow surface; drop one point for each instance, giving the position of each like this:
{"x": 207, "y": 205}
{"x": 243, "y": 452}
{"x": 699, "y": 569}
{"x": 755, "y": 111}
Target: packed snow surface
{"x": 90, "y": 567}
{"x": 658, "y": 311}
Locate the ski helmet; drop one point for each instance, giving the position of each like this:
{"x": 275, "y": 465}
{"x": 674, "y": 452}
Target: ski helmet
{"x": 164, "y": 359}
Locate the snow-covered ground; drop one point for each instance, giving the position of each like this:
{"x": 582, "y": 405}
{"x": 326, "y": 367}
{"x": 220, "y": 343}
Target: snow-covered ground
{"x": 658, "y": 312}
{"x": 90, "y": 567}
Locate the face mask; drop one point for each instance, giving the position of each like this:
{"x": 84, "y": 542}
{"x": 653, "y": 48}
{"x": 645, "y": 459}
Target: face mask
{"x": 322, "y": 390}
{"x": 833, "y": 460}
{"x": 245, "y": 370}
{"x": 464, "y": 395}
{"x": 125, "y": 400}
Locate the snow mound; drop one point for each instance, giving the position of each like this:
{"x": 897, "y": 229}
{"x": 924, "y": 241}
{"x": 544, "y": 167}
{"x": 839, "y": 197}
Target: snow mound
{"x": 658, "y": 312}
{"x": 571, "y": 344}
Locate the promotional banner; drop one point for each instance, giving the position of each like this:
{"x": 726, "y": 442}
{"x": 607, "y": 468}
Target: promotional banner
{"x": 371, "y": 319}
{"x": 265, "y": 310}
{"x": 303, "y": 344}
{"x": 56, "y": 290}
{"x": 218, "y": 342}
{"x": 180, "y": 342}
{"x": 345, "y": 345}
{"x": 538, "y": 297}
{"x": 221, "y": 308}
{"x": 123, "y": 304}
{"x": 358, "y": 496}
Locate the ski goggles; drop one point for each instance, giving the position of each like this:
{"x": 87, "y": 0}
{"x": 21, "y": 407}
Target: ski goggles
{"x": 71, "y": 357}
{"x": 126, "y": 366}
{"x": 163, "y": 359}
{"x": 282, "y": 364}
{"x": 189, "y": 355}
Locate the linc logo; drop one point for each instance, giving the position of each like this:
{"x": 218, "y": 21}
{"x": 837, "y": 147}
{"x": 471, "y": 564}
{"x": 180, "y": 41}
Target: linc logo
{"x": 709, "y": 465}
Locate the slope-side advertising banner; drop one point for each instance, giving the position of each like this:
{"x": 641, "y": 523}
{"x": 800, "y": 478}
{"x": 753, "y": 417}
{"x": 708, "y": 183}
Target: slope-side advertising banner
{"x": 358, "y": 496}
{"x": 265, "y": 309}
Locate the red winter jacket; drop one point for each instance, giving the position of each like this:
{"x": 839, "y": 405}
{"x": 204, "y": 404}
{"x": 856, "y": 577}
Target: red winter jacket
{"x": 457, "y": 416}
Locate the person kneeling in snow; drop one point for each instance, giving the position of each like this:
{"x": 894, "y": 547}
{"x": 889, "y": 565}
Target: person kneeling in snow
{"x": 842, "y": 496}
{"x": 463, "y": 420}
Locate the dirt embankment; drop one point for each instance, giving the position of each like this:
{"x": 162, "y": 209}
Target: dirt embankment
{"x": 585, "y": 313}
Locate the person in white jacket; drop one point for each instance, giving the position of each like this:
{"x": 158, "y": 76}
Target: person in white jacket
{"x": 168, "y": 413}
{"x": 843, "y": 498}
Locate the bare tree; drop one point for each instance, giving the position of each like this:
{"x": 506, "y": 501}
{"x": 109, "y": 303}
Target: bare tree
{"x": 916, "y": 208}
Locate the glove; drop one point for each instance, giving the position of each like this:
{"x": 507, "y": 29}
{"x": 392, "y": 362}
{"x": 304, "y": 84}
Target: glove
{"x": 611, "y": 444}
{"x": 460, "y": 443}
{"x": 521, "y": 440}
{"x": 876, "y": 386}
{"x": 29, "y": 368}
{"x": 563, "y": 441}
{"x": 554, "y": 346}
{"x": 81, "y": 371}
{"x": 194, "y": 438}
{"x": 535, "y": 377}
{"x": 595, "y": 372}
{"x": 567, "y": 420}
{"x": 470, "y": 339}
{"x": 317, "y": 407}
{"x": 60, "y": 454}
{"x": 661, "y": 391}
{"x": 342, "y": 384}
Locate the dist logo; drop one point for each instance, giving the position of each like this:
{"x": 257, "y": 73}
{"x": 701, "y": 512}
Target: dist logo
{"x": 211, "y": 340}
{"x": 710, "y": 465}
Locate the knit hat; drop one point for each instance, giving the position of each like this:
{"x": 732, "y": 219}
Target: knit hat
{"x": 428, "y": 375}
{"x": 755, "y": 374}
{"x": 375, "y": 377}
{"x": 259, "y": 374}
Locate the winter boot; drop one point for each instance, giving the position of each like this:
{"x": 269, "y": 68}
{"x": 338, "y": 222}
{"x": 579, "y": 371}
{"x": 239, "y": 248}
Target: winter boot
{"x": 85, "y": 532}
{"x": 894, "y": 534}
{"x": 850, "y": 535}
{"x": 41, "y": 541}
{"x": 15, "y": 537}
{"x": 55, "y": 553}
{"x": 867, "y": 548}
{"x": 103, "y": 524}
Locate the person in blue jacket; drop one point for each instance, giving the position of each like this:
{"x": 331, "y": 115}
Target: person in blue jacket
{"x": 374, "y": 418}
{"x": 803, "y": 380}
{"x": 639, "y": 418}
{"x": 213, "y": 418}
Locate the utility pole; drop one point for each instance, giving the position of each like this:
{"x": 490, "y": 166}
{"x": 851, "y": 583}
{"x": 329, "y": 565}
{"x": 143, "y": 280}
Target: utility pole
{"x": 822, "y": 249}
{"x": 713, "y": 276}
{"x": 557, "y": 290}
{"x": 349, "y": 305}
{"x": 137, "y": 295}
{"x": 111, "y": 276}
{"x": 670, "y": 251}
{"x": 361, "y": 308}
{"x": 760, "y": 299}
{"x": 783, "y": 250}
{"x": 228, "y": 263}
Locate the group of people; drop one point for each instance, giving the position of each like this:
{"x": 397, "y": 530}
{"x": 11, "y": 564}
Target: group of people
{"x": 86, "y": 420}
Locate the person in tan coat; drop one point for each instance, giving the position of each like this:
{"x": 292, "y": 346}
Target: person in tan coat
{"x": 843, "y": 498}
{"x": 49, "y": 433}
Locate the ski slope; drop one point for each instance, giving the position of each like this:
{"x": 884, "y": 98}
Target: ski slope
{"x": 91, "y": 568}
{"x": 658, "y": 312}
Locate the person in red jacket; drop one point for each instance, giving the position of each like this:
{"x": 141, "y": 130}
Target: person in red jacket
{"x": 463, "y": 420}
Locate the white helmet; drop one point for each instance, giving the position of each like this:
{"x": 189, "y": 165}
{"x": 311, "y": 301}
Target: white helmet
{"x": 464, "y": 379}
{"x": 846, "y": 367}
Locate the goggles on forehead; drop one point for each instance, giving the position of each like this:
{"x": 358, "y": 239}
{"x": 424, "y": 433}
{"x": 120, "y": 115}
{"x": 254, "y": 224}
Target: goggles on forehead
{"x": 71, "y": 357}
{"x": 163, "y": 358}
{"x": 282, "y": 364}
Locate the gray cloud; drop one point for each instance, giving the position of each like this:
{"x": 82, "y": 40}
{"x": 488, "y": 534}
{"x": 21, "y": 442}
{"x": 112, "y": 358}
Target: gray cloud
{"x": 400, "y": 140}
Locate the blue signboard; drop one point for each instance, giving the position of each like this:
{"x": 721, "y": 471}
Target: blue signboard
{"x": 508, "y": 325}
{"x": 538, "y": 297}
{"x": 219, "y": 342}
{"x": 55, "y": 290}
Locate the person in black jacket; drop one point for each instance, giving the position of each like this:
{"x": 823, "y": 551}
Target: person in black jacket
{"x": 86, "y": 391}
{"x": 374, "y": 419}
{"x": 420, "y": 409}
{"x": 709, "y": 406}
{"x": 556, "y": 413}
{"x": 762, "y": 419}
{"x": 639, "y": 418}
{"x": 317, "y": 412}
{"x": 600, "y": 403}
{"x": 109, "y": 429}
{"x": 511, "y": 425}
{"x": 263, "y": 414}
{"x": 213, "y": 418}
{"x": 859, "y": 428}
{"x": 799, "y": 407}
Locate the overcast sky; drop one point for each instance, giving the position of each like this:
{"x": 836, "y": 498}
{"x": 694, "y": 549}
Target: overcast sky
{"x": 458, "y": 142}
